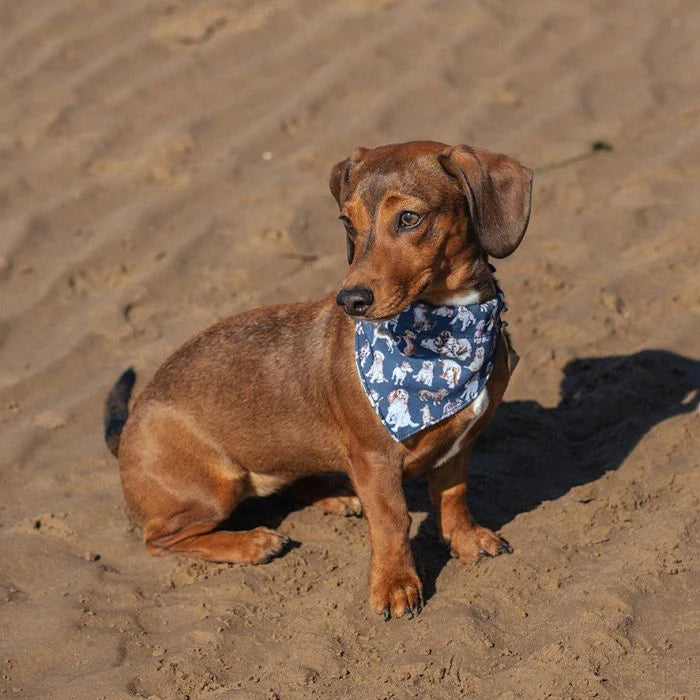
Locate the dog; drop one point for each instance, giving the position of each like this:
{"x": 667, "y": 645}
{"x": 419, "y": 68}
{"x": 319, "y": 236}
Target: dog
{"x": 451, "y": 372}
{"x": 446, "y": 344}
{"x": 398, "y": 415}
{"x": 481, "y": 332}
{"x": 376, "y": 371}
{"x": 210, "y": 429}
{"x": 471, "y": 389}
{"x": 400, "y": 372}
{"x": 477, "y": 360}
{"x": 409, "y": 338}
{"x": 458, "y": 348}
{"x": 434, "y": 396}
{"x": 449, "y": 407}
{"x": 383, "y": 334}
{"x": 464, "y": 316}
{"x": 421, "y": 319}
{"x": 444, "y": 311}
{"x": 364, "y": 353}
{"x": 425, "y": 373}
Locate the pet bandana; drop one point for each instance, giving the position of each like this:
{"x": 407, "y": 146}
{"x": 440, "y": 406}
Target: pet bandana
{"x": 428, "y": 362}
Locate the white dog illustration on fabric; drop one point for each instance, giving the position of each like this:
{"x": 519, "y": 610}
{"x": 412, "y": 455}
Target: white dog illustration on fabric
{"x": 398, "y": 415}
{"x": 400, "y": 372}
{"x": 434, "y": 344}
{"x": 425, "y": 373}
{"x": 445, "y": 311}
{"x": 425, "y": 415}
{"x": 364, "y": 353}
{"x": 421, "y": 320}
{"x": 450, "y": 407}
{"x": 451, "y": 372}
{"x": 381, "y": 333}
{"x": 464, "y": 316}
{"x": 459, "y": 348}
{"x": 475, "y": 364}
{"x": 376, "y": 371}
{"x": 447, "y": 344}
{"x": 481, "y": 332}
{"x": 470, "y": 390}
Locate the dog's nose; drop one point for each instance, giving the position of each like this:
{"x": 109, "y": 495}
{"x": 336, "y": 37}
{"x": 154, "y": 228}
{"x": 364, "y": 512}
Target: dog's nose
{"x": 355, "y": 300}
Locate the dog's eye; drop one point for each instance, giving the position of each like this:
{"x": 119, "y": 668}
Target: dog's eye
{"x": 347, "y": 223}
{"x": 350, "y": 234}
{"x": 350, "y": 248}
{"x": 409, "y": 219}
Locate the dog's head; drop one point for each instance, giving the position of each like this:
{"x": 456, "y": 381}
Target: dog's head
{"x": 400, "y": 395}
{"x": 420, "y": 216}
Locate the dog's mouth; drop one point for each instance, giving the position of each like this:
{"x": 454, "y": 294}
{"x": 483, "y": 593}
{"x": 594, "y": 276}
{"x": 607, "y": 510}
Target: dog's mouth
{"x": 378, "y": 314}
{"x": 424, "y": 288}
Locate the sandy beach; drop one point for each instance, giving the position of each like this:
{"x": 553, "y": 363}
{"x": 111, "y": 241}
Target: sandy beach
{"x": 165, "y": 165}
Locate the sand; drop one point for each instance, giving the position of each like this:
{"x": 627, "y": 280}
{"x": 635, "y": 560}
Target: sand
{"x": 165, "y": 164}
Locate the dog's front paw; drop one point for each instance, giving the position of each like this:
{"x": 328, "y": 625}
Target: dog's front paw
{"x": 396, "y": 595}
{"x": 473, "y": 543}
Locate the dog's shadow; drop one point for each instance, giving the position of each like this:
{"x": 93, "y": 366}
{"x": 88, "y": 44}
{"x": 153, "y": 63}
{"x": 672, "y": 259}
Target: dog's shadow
{"x": 528, "y": 454}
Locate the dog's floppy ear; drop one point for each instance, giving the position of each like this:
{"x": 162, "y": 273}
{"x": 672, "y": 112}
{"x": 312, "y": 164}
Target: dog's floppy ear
{"x": 498, "y": 190}
{"x": 340, "y": 173}
{"x": 338, "y": 176}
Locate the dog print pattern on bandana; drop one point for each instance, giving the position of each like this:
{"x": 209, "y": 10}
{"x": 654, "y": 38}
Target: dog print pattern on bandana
{"x": 428, "y": 362}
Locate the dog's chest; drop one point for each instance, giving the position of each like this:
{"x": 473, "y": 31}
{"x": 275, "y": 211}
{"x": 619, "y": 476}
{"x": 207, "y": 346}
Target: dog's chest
{"x": 445, "y": 440}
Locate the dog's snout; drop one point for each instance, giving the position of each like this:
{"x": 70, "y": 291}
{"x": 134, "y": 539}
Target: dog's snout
{"x": 355, "y": 300}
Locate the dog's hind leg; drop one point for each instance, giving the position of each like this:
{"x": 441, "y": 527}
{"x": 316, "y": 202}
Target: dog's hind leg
{"x": 256, "y": 546}
{"x": 329, "y": 492}
{"x": 181, "y": 487}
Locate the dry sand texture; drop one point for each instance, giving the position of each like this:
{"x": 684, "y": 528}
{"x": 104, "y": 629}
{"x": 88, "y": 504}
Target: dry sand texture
{"x": 164, "y": 164}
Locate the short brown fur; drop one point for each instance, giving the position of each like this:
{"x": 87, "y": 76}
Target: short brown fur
{"x": 222, "y": 420}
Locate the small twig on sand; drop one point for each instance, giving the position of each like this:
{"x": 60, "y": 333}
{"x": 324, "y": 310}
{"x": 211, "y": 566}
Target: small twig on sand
{"x": 596, "y": 147}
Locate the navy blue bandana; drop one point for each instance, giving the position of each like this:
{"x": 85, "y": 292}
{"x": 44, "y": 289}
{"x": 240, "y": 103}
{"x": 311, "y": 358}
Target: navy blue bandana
{"x": 427, "y": 363}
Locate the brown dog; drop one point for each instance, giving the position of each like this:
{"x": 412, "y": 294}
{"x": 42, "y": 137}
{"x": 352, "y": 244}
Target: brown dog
{"x": 259, "y": 400}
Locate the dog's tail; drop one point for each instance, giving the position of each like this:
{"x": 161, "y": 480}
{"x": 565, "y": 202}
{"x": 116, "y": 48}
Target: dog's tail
{"x": 117, "y": 409}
